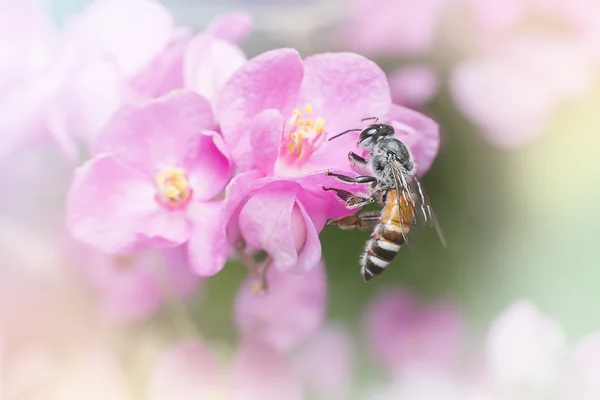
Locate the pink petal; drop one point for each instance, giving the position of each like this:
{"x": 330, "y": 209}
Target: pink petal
{"x": 326, "y": 363}
{"x": 270, "y": 80}
{"x": 269, "y": 316}
{"x": 413, "y": 86}
{"x": 189, "y": 370}
{"x": 579, "y": 379}
{"x": 266, "y": 223}
{"x": 343, "y": 88}
{"x": 233, "y": 26}
{"x": 89, "y": 98}
{"x": 164, "y": 73}
{"x": 260, "y": 372}
{"x": 139, "y": 30}
{"x": 403, "y": 334}
{"x": 403, "y": 26}
{"x": 162, "y": 133}
{"x": 310, "y": 252}
{"x": 503, "y": 99}
{"x": 420, "y": 133}
{"x": 209, "y": 63}
{"x": 112, "y": 207}
{"x": 133, "y": 286}
{"x": 498, "y": 16}
{"x": 265, "y": 139}
{"x": 30, "y": 22}
{"x": 210, "y": 170}
{"x": 207, "y": 247}
{"x": 524, "y": 346}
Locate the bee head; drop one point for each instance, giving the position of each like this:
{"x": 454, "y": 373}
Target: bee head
{"x": 374, "y": 133}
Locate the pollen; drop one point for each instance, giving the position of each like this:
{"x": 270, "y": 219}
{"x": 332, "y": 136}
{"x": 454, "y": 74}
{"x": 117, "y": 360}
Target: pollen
{"x": 305, "y": 132}
{"x": 173, "y": 189}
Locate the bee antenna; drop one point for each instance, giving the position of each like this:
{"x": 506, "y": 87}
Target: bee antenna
{"x": 370, "y": 118}
{"x": 343, "y": 133}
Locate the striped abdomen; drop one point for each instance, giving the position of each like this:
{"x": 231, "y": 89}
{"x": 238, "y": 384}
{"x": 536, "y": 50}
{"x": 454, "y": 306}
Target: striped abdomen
{"x": 387, "y": 238}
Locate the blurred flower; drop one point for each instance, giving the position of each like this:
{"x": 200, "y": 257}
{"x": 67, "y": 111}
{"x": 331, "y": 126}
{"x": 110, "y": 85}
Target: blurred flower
{"x": 580, "y": 376}
{"x": 29, "y": 72}
{"x": 413, "y": 86}
{"x": 524, "y": 351}
{"x": 156, "y": 169}
{"x": 391, "y": 27}
{"x": 524, "y": 67}
{"x": 326, "y": 364}
{"x": 133, "y": 286}
{"x": 190, "y": 371}
{"x": 404, "y": 334}
{"x": 270, "y": 316}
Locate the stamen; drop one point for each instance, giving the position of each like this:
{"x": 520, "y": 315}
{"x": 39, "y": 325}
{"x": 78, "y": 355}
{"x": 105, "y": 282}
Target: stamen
{"x": 173, "y": 189}
{"x": 304, "y": 133}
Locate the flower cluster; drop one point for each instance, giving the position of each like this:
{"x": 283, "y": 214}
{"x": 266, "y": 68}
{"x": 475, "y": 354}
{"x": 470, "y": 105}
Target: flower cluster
{"x": 188, "y": 154}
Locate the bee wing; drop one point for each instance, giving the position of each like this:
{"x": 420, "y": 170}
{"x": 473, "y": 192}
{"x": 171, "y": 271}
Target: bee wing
{"x": 421, "y": 212}
{"x": 403, "y": 193}
{"x": 426, "y": 213}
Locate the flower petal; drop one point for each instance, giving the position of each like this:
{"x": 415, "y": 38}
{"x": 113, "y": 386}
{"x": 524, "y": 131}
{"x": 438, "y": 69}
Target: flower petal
{"x": 326, "y": 363}
{"x": 232, "y": 26}
{"x": 210, "y": 171}
{"x": 260, "y": 372}
{"x": 310, "y": 253}
{"x": 187, "y": 371}
{"x": 343, "y": 88}
{"x": 403, "y": 333}
{"x": 268, "y": 316}
{"x": 207, "y": 247}
{"x": 111, "y": 207}
{"x": 270, "y": 80}
{"x": 209, "y": 63}
{"x": 524, "y": 346}
{"x": 419, "y": 133}
{"x": 265, "y": 139}
{"x": 579, "y": 379}
{"x": 139, "y": 30}
{"x": 266, "y": 223}
{"x": 162, "y": 133}
{"x": 414, "y": 85}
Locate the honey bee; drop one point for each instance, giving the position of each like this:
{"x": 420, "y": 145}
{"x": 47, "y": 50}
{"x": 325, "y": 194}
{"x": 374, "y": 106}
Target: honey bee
{"x": 393, "y": 183}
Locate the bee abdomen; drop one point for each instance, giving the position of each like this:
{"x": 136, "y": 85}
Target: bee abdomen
{"x": 381, "y": 250}
{"x": 378, "y": 255}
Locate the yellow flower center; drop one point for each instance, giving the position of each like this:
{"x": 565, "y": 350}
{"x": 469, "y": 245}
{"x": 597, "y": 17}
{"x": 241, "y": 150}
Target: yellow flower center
{"x": 173, "y": 187}
{"x": 306, "y": 132}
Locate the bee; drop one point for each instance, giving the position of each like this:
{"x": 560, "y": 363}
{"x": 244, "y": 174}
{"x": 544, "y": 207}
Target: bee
{"x": 390, "y": 173}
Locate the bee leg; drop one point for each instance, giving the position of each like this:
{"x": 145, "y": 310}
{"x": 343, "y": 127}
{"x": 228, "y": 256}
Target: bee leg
{"x": 356, "y": 159}
{"x": 350, "y": 199}
{"x": 365, "y": 220}
{"x": 349, "y": 179}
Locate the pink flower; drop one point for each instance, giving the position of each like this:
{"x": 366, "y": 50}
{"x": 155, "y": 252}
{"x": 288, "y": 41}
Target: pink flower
{"x": 413, "y": 86}
{"x": 523, "y": 350}
{"x": 277, "y": 110}
{"x": 145, "y": 60}
{"x": 404, "y": 334}
{"x": 392, "y": 27}
{"x": 326, "y": 363}
{"x": 133, "y": 286}
{"x": 156, "y": 169}
{"x": 268, "y": 316}
{"x": 191, "y": 371}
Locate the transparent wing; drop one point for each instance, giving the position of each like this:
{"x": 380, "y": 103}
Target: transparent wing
{"x": 420, "y": 211}
{"x": 406, "y": 203}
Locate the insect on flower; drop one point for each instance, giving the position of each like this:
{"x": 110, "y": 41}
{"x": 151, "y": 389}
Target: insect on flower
{"x": 393, "y": 182}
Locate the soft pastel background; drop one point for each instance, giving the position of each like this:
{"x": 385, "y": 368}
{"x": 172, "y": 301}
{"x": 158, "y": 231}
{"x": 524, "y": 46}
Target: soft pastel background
{"x": 517, "y": 192}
